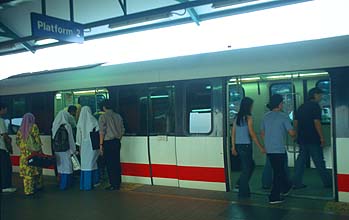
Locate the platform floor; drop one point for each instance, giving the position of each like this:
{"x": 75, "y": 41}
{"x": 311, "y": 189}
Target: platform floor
{"x": 311, "y": 178}
{"x": 136, "y": 201}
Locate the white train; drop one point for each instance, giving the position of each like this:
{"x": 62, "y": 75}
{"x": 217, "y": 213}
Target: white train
{"x": 177, "y": 111}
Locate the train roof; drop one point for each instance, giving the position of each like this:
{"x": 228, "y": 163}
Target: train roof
{"x": 305, "y": 55}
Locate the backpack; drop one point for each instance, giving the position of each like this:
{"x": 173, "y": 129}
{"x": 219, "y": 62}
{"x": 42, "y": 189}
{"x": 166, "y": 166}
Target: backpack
{"x": 61, "y": 140}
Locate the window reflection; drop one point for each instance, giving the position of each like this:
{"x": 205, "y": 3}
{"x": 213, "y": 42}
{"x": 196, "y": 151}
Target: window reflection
{"x": 199, "y": 108}
{"x": 325, "y": 102}
{"x": 286, "y": 90}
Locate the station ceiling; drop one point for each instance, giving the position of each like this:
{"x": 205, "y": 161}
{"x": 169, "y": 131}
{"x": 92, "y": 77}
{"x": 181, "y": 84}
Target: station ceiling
{"x": 105, "y": 18}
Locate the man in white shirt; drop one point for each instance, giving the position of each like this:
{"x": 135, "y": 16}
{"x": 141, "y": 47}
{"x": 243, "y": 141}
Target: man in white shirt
{"x": 5, "y": 161}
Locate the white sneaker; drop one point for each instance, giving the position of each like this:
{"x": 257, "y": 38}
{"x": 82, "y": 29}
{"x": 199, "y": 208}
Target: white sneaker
{"x": 9, "y": 190}
{"x": 97, "y": 184}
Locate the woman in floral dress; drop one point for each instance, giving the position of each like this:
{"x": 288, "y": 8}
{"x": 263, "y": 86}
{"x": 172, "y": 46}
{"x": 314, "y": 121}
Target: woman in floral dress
{"x": 32, "y": 176}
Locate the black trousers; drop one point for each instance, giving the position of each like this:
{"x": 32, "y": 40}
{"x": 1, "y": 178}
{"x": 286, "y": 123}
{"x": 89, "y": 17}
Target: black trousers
{"x": 281, "y": 182}
{"x": 112, "y": 161}
{"x": 5, "y": 169}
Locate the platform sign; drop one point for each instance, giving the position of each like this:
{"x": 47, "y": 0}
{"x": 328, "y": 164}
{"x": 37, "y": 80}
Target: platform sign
{"x": 59, "y": 29}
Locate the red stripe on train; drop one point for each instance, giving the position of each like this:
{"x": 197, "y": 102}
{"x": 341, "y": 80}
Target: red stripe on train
{"x": 208, "y": 174}
{"x": 343, "y": 182}
{"x": 135, "y": 169}
{"x": 164, "y": 171}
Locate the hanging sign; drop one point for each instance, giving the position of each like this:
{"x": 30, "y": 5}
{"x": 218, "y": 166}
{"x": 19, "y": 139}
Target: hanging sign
{"x": 59, "y": 29}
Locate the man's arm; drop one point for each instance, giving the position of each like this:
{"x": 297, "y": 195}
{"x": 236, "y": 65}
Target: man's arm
{"x": 295, "y": 124}
{"x": 318, "y": 128}
{"x": 102, "y": 129}
{"x": 317, "y": 124}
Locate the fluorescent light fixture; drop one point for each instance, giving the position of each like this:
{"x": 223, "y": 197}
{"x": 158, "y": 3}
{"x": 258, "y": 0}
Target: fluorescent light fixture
{"x": 46, "y": 41}
{"x": 59, "y": 96}
{"x": 250, "y": 79}
{"x": 143, "y": 20}
{"x": 158, "y": 96}
{"x": 247, "y": 79}
{"x": 313, "y": 74}
{"x": 187, "y": 39}
{"x": 84, "y": 92}
{"x": 237, "y": 3}
{"x": 279, "y": 77}
{"x": 201, "y": 110}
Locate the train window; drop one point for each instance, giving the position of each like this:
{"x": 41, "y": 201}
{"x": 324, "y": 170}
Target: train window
{"x": 199, "y": 108}
{"x": 19, "y": 107}
{"x": 236, "y": 94}
{"x": 41, "y": 105}
{"x": 287, "y": 92}
{"x": 325, "y": 102}
{"x": 133, "y": 109}
{"x": 81, "y": 98}
{"x": 161, "y": 111}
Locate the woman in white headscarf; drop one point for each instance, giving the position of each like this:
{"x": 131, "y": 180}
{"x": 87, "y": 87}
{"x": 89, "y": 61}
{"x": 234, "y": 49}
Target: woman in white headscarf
{"x": 89, "y": 171}
{"x": 64, "y": 163}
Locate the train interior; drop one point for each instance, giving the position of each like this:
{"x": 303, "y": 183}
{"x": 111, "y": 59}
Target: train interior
{"x": 89, "y": 97}
{"x": 293, "y": 87}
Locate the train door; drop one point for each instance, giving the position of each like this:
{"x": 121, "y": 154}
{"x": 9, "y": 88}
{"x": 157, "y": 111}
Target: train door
{"x": 294, "y": 88}
{"x": 174, "y": 134}
{"x": 161, "y": 138}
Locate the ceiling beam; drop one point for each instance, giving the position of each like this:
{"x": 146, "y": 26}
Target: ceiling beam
{"x": 7, "y": 30}
{"x": 123, "y": 5}
{"x": 192, "y": 12}
{"x": 203, "y": 17}
{"x": 156, "y": 11}
{"x": 4, "y": 34}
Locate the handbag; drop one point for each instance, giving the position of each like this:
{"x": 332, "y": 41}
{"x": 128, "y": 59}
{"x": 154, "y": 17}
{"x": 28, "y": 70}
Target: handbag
{"x": 32, "y": 144}
{"x": 41, "y": 160}
{"x": 94, "y": 135}
{"x": 75, "y": 162}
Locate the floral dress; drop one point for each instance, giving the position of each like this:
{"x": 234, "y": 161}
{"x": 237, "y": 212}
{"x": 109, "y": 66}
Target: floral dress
{"x": 32, "y": 175}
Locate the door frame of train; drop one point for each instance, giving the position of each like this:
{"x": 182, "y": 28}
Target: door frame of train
{"x": 156, "y": 136}
{"x": 230, "y": 183}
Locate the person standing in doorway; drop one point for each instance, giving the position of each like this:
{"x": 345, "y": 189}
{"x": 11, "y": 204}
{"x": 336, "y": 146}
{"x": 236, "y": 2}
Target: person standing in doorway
{"x": 310, "y": 139}
{"x": 241, "y": 136}
{"x": 111, "y": 130}
{"x": 274, "y": 128}
{"x": 5, "y": 150}
{"x": 89, "y": 171}
{"x": 64, "y": 147}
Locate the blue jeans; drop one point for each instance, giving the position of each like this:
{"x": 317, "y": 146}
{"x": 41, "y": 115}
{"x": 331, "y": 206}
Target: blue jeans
{"x": 247, "y": 165}
{"x": 267, "y": 177}
{"x": 281, "y": 183}
{"x": 317, "y": 155}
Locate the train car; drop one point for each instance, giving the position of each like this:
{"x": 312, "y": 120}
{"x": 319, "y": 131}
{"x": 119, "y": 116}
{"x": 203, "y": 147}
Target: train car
{"x": 178, "y": 111}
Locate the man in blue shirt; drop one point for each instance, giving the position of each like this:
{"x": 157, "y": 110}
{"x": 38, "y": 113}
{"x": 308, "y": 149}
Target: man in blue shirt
{"x": 274, "y": 128}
